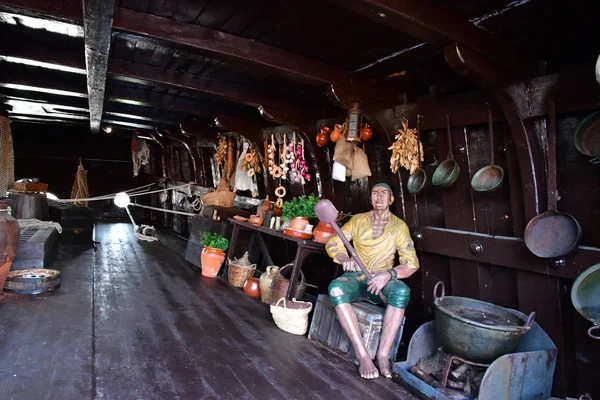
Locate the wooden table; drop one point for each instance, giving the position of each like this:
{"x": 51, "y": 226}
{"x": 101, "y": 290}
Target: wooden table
{"x": 305, "y": 247}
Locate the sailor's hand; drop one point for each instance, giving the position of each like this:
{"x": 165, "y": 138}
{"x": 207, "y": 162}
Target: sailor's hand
{"x": 378, "y": 282}
{"x": 347, "y": 263}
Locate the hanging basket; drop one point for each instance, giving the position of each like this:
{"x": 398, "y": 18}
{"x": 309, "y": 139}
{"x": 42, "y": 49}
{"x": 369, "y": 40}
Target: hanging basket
{"x": 292, "y": 317}
{"x": 222, "y": 196}
{"x": 281, "y": 282}
{"x": 238, "y": 275}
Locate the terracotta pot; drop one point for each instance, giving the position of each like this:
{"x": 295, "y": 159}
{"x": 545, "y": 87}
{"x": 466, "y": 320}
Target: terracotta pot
{"x": 9, "y": 240}
{"x": 322, "y": 138}
{"x": 323, "y": 232}
{"x": 266, "y": 278}
{"x": 211, "y": 261}
{"x": 252, "y": 287}
{"x": 366, "y": 132}
{"x": 337, "y": 132}
{"x": 299, "y": 223}
{"x": 256, "y": 220}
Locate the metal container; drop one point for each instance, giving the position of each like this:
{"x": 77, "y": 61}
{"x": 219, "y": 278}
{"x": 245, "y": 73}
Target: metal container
{"x": 585, "y": 296}
{"x": 448, "y": 171}
{"x": 525, "y": 374}
{"x": 475, "y": 330}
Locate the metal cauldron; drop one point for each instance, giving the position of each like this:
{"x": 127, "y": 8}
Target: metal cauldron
{"x": 475, "y": 330}
{"x": 585, "y": 296}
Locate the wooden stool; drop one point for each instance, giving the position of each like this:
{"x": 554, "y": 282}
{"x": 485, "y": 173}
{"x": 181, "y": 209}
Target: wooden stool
{"x": 326, "y": 329}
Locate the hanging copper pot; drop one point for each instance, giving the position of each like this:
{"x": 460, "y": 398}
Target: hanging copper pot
{"x": 366, "y": 132}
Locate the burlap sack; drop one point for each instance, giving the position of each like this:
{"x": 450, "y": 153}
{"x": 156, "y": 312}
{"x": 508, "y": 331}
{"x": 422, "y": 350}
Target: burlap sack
{"x": 344, "y": 152}
{"x": 361, "y": 164}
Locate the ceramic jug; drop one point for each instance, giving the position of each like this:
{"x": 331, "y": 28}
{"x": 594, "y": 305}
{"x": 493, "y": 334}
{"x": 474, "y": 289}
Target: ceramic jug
{"x": 266, "y": 278}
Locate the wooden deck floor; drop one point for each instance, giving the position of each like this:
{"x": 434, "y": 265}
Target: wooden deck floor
{"x": 132, "y": 320}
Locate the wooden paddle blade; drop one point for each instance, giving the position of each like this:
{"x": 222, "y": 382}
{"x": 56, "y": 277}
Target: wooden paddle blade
{"x": 326, "y": 211}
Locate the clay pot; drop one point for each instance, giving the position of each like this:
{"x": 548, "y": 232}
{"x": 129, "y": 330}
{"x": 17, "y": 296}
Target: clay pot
{"x": 366, "y": 132}
{"x": 211, "y": 260}
{"x": 337, "y": 132}
{"x": 9, "y": 240}
{"x": 252, "y": 287}
{"x": 256, "y": 220}
{"x": 298, "y": 223}
{"x": 323, "y": 136}
{"x": 323, "y": 232}
{"x": 266, "y": 278}
{"x": 322, "y": 140}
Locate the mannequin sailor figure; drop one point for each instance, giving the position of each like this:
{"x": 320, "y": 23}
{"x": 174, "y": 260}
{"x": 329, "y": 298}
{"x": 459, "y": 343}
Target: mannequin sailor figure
{"x": 376, "y": 236}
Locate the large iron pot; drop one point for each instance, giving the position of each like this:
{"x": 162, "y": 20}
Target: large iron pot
{"x": 475, "y": 330}
{"x": 585, "y": 296}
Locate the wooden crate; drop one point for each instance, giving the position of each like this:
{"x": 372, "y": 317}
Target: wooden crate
{"x": 77, "y": 223}
{"x": 326, "y": 329}
{"x": 27, "y": 187}
{"x": 37, "y": 248}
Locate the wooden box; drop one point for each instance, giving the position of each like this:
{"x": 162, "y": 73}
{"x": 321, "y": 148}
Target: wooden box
{"x": 326, "y": 329}
{"x": 76, "y": 221}
{"x": 37, "y": 248}
{"x": 27, "y": 187}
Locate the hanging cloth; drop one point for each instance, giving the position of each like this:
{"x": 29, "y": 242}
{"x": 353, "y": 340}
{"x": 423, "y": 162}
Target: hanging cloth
{"x": 80, "y": 186}
{"x": 7, "y": 158}
{"x": 242, "y": 180}
{"x": 140, "y": 154}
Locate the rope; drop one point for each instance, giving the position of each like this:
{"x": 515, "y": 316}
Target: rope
{"x": 110, "y": 196}
{"x": 164, "y": 210}
{"x": 131, "y": 195}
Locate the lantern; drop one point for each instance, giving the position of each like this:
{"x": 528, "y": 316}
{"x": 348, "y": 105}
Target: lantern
{"x": 354, "y": 123}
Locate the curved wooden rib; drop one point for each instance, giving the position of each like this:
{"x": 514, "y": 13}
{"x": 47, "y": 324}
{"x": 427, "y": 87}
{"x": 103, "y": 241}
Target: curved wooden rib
{"x": 497, "y": 80}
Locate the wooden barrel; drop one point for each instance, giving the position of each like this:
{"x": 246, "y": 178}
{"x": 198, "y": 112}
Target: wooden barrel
{"x": 29, "y": 205}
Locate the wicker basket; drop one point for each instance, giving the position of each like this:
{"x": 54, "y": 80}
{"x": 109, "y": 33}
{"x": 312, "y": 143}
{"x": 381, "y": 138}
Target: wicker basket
{"x": 222, "y": 196}
{"x": 293, "y": 316}
{"x": 281, "y": 283}
{"x": 238, "y": 275}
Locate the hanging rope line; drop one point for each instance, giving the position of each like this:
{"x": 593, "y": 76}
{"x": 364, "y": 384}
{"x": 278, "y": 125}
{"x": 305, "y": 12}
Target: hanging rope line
{"x": 165, "y": 210}
{"x": 110, "y": 197}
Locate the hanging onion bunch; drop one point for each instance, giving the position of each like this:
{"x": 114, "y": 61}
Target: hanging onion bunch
{"x": 405, "y": 150}
{"x": 221, "y": 152}
{"x": 251, "y": 162}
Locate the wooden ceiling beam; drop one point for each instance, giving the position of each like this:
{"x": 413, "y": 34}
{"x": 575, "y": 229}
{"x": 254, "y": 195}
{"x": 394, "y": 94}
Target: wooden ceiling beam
{"x": 221, "y": 44}
{"x": 440, "y": 26}
{"x": 141, "y": 74}
{"x": 249, "y": 51}
{"x": 97, "y": 27}
{"x": 64, "y": 10}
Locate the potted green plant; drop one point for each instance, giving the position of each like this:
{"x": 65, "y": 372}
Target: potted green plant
{"x": 299, "y": 211}
{"x": 213, "y": 253}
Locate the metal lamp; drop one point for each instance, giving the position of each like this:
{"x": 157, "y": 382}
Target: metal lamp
{"x": 354, "y": 123}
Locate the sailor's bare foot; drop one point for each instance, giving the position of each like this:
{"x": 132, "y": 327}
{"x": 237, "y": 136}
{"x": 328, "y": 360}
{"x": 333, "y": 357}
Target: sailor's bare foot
{"x": 383, "y": 363}
{"x": 367, "y": 369}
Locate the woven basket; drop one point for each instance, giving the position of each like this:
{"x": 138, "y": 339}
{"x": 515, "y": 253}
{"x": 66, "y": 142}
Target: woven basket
{"x": 281, "y": 283}
{"x": 222, "y": 196}
{"x": 238, "y": 275}
{"x": 292, "y": 317}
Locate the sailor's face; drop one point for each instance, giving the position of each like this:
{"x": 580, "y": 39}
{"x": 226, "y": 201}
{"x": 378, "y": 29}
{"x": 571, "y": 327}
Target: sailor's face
{"x": 381, "y": 198}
